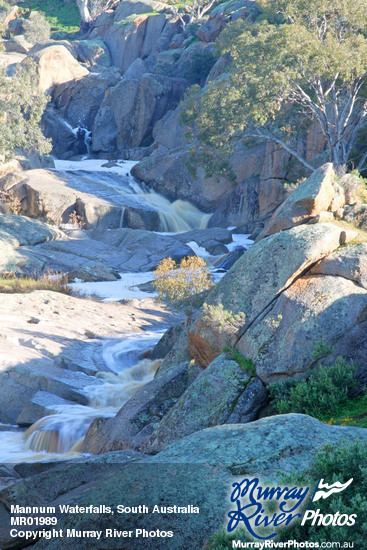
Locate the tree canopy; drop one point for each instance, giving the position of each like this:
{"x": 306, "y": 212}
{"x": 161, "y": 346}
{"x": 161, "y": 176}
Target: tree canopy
{"x": 301, "y": 61}
{"x": 21, "y": 108}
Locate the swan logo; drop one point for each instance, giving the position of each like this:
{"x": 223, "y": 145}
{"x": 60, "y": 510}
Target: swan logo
{"x": 323, "y": 490}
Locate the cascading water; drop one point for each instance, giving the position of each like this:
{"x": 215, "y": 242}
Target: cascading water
{"x": 81, "y": 133}
{"x": 114, "y": 184}
{"x": 60, "y": 435}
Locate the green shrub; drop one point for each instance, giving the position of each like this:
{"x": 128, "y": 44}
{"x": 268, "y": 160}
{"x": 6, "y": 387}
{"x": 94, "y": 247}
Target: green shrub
{"x": 332, "y": 463}
{"x": 183, "y": 284}
{"x": 199, "y": 66}
{"x": 321, "y": 350}
{"x": 222, "y": 320}
{"x": 245, "y": 363}
{"x": 37, "y": 30}
{"x": 326, "y": 388}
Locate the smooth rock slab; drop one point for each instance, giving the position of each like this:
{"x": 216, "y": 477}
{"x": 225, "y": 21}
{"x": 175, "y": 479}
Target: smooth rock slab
{"x": 199, "y": 469}
{"x": 45, "y": 338}
{"x": 318, "y": 308}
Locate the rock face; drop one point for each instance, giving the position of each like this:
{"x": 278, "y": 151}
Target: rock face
{"x": 283, "y": 339}
{"x": 56, "y": 65}
{"x": 128, "y": 39}
{"x": 169, "y": 174}
{"x": 136, "y": 420}
{"x": 256, "y": 280}
{"x": 93, "y": 52}
{"x": 128, "y": 113}
{"x": 218, "y": 393}
{"x": 199, "y": 469}
{"x": 313, "y": 196}
{"x": 79, "y": 101}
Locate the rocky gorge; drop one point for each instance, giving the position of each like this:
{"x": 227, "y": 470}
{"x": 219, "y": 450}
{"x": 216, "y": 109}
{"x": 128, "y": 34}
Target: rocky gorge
{"x": 103, "y": 389}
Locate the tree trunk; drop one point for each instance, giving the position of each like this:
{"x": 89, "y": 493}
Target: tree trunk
{"x": 84, "y": 11}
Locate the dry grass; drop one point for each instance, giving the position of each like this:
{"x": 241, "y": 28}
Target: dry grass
{"x": 10, "y": 283}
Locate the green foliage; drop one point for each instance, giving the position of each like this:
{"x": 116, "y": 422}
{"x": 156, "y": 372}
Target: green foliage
{"x": 21, "y": 108}
{"x": 245, "y": 364}
{"x": 321, "y": 350}
{"x": 332, "y": 463}
{"x": 307, "y": 61}
{"x": 183, "y": 284}
{"x": 199, "y": 67}
{"x": 326, "y": 388}
{"x": 222, "y": 320}
{"x": 62, "y": 16}
{"x": 353, "y": 412}
{"x": 37, "y": 30}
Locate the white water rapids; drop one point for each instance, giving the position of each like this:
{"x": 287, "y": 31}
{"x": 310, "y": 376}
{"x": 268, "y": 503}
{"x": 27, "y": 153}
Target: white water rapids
{"x": 113, "y": 182}
{"x": 59, "y": 436}
{"x": 124, "y": 370}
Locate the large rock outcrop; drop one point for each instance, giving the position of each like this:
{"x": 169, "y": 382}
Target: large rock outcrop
{"x": 225, "y": 392}
{"x": 133, "y": 37}
{"x": 130, "y": 110}
{"x": 79, "y": 101}
{"x": 313, "y": 309}
{"x": 199, "y": 469}
{"x": 56, "y": 65}
{"x": 313, "y": 196}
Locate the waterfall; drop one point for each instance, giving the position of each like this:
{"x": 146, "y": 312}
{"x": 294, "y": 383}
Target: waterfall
{"x": 82, "y": 133}
{"x": 60, "y": 432}
{"x": 114, "y": 184}
{"x": 122, "y": 217}
{"x": 175, "y": 217}
{"x": 63, "y": 432}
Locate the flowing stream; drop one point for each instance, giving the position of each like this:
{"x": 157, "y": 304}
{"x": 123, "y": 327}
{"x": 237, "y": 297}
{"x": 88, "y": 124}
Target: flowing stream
{"x": 112, "y": 182}
{"x": 59, "y": 436}
{"x": 124, "y": 367}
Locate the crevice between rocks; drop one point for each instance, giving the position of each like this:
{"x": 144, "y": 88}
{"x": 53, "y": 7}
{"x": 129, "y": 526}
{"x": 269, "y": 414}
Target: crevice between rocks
{"x": 283, "y": 289}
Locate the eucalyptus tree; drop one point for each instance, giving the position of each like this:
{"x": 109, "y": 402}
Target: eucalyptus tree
{"x": 192, "y": 11}
{"x": 90, "y": 9}
{"x": 301, "y": 61}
